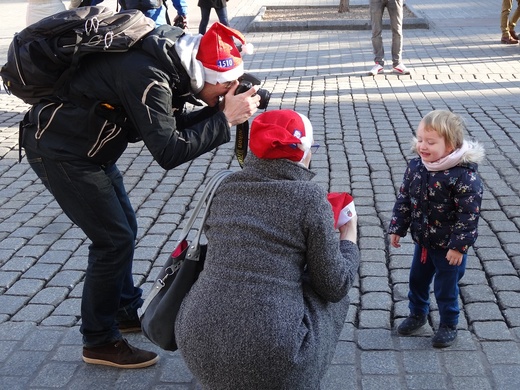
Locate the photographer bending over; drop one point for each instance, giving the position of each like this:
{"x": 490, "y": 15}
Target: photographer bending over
{"x": 73, "y": 146}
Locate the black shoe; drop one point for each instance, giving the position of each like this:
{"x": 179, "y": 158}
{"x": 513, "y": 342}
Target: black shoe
{"x": 445, "y": 336}
{"x": 119, "y": 354}
{"x": 130, "y": 325}
{"x": 411, "y": 324}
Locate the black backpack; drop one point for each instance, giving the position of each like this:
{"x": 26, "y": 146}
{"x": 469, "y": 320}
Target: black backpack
{"x": 43, "y": 57}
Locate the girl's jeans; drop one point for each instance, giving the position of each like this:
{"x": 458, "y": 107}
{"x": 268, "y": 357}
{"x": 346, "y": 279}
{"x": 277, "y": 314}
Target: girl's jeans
{"x": 445, "y": 285}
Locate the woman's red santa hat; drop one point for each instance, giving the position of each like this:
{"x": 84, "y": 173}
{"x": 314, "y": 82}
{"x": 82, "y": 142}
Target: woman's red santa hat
{"x": 219, "y": 54}
{"x": 281, "y": 134}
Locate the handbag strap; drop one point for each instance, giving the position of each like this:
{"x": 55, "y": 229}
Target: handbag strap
{"x": 205, "y": 200}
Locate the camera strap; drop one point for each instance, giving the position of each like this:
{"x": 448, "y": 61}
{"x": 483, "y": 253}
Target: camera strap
{"x": 241, "y": 142}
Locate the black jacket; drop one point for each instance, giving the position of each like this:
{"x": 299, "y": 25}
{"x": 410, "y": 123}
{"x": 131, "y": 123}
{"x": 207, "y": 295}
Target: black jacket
{"x": 145, "y": 90}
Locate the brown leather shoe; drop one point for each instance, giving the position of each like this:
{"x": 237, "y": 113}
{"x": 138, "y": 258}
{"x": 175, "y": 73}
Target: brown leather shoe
{"x": 509, "y": 40}
{"x": 513, "y": 34}
{"x": 119, "y": 354}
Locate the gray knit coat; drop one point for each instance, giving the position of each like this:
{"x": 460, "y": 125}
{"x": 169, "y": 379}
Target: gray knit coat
{"x": 268, "y": 308}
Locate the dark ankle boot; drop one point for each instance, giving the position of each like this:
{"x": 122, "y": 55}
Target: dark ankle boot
{"x": 411, "y": 324}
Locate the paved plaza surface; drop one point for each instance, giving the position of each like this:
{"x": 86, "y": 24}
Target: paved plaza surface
{"x": 364, "y": 125}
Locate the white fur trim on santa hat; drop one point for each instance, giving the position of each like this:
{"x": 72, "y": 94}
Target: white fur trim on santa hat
{"x": 308, "y": 139}
{"x": 186, "y": 48}
{"x": 214, "y": 77}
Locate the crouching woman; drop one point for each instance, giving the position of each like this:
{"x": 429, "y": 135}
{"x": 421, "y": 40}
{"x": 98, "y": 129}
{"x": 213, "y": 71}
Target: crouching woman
{"x": 269, "y": 306}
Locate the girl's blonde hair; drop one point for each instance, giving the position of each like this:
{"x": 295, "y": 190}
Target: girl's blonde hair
{"x": 450, "y": 126}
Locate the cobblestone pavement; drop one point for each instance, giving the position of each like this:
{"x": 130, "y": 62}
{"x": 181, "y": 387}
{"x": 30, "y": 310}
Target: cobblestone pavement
{"x": 365, "y": 125}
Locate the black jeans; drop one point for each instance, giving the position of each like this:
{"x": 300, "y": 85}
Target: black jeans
{"x": 95, "y": 199}
{"x": 204, "y": 18}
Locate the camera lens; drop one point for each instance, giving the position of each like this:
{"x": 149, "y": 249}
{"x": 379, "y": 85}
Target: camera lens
{"x": 265, "y": 95}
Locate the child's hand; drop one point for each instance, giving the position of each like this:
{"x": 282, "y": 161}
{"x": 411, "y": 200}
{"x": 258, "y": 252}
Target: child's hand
{"x": 454, "y": 257}
{"x": 394, "y": 240}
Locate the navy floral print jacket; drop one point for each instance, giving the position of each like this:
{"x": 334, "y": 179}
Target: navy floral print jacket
{"x": 440, "y": 208}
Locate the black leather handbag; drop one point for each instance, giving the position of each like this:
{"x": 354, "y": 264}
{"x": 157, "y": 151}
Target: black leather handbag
{"x": 180, "y": 272}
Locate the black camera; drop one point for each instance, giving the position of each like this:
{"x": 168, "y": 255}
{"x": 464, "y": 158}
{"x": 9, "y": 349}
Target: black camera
{"x": 246, "y": 82}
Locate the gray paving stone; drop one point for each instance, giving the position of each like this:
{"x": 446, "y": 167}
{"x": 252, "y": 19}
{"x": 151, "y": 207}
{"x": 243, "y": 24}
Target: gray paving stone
{"x": 376, "y": 382}
{"x": 492, "y": 331}
{"x": 55, "y": 257}
{"x": 505, "y": 283}
{"x": 22, "y": 363}
{"x": 379, "y": 363}
{"x": 10, "y": 304}
{"x": 60, "y": 320}
{"x": 21, "y": 264}
{"x": 472, "y": 382}
{"x": 477, "y": 293}
{"x": 346, "y": 353}
{"x": 25, "y": 287}
{"x": 512, "y": 317}
{"x": 506, "y": 377}
{"x": 462, "y": 363}
{"x": 495, "y": 268}
{"x": 509, "y": 299}
{"x": 374, "y": 319}
{"x": 422, "y": 361}
{"x": 339, "y": 377}
{"x": 374, "y": 283}
{"x": 69, "y": 307}
{"x": 7, "y": 279}
{"x": 42, "y": 271}
{"x": 33, "y": 313}
{"x": 372, "y": 255}
{"x": 376, "y": 300}
{"x": 502, "y": 352}
{"x": 483, "y": 311}
{"x": 54, "y": 375}
{"x": 66, "y": 278}
{"x": 475, "y": 277}
{"x": 425, "y": 381}
{"x": 400, "y": 291}
{"x": 375, "y": 339}
{"x": 400, "y": 275}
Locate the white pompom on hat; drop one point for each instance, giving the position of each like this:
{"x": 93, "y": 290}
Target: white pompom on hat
{"x": 281, "y": 134}
{"x": 220, "y": 56}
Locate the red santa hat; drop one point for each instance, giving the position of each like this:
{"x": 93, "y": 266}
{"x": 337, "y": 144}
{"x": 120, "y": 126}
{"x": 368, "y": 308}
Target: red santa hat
{"x": 281, "y": 134}
{"x": 342, "y": 206}
{"x": 219, "y": 54}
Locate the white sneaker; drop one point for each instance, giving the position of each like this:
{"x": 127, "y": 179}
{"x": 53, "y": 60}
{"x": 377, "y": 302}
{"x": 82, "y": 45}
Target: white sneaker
{"x": 401, "y": 69}
{"x": 376, "y": 70}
